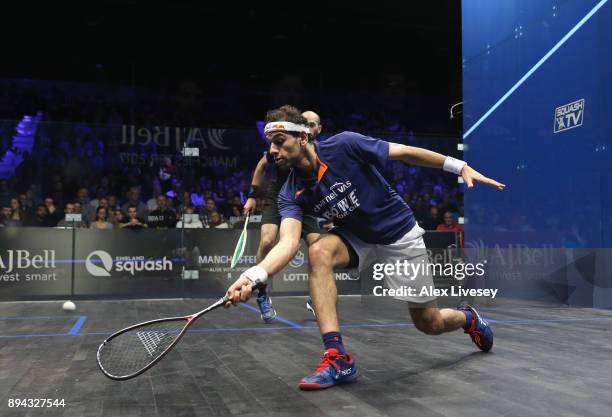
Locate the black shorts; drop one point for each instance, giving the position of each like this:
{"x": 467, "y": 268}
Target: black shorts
{"x": 270, "y": 215}
{"x": 353, "y": 257}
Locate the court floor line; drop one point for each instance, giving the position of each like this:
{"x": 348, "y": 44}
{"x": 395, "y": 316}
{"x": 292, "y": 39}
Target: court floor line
{"x": 77, "y": 326}
{"x": 37, "y": 317}
{"x": 315, "y": 327}
{"x": 535, "y": 67}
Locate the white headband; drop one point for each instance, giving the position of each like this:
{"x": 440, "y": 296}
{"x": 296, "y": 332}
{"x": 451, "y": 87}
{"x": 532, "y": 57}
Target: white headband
{"x": 285, "y": 126}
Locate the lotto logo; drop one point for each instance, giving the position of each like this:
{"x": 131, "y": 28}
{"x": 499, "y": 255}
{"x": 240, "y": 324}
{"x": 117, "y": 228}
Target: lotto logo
{"x": 569, "y": 116}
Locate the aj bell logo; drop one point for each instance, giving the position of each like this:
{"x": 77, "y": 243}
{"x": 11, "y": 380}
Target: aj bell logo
{"x": 23, "y": 259}
{"x": 100, "y": 264}
{"x": 569, "y": 116}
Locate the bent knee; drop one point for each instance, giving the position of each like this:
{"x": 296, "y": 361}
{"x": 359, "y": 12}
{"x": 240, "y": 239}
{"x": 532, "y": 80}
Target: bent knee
{"x": 266, "y": 244}
{"x": 320, "y": 253}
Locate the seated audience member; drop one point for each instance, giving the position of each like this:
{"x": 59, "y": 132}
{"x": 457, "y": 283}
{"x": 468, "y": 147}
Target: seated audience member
{"x": 432, "y": 220}
{"x": 185, "y": 201}
{"x": 87, "y": 210}
{"x": 101, "y": 220}
{"x": 236, "y": 216}
{"x": 163, "y": 216}
{"x": 152, "y": 202}
{"x": 191, "y": 221}
{"x": 100, "y": 194}
{"x": 40, "y": 218}
{"x": 116, "y": 218}
{"x": 103, "y": 202}
{"x": 209, "y": 208}
{"x": 133, "y": 196}
{"x": 113, "y": 202}
{"x": 449, "y": 225}
{"x": 17, "y": 216}
{"x": 6, "y": 218}
{"x": 216, "y": 223}
{"x": 55, "y": 215}
{"x": 69, "y": 209}
{"x": 27, "y": 205}
{"x": 78, "y": 209}
{"x": 132, "y": 221}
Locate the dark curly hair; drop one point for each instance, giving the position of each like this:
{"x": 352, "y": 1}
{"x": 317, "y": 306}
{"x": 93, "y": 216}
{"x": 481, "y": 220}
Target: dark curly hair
{"x": 287, "y": 113}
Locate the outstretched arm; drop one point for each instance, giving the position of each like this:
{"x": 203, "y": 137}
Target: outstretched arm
{"x": 258, "y": 176}
{"x": 426, "y": 158}
{"x": 277, "y": 258}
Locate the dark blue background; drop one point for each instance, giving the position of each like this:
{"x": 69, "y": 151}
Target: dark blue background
{"x": 558, "y": 192}
{"x": 558, "y": 184}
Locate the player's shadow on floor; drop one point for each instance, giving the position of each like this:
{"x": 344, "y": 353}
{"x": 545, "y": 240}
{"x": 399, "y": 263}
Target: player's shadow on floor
{"x": 406, "y": 377}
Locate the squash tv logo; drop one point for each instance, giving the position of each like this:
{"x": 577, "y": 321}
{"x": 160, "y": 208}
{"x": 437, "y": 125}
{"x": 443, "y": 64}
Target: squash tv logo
{"x": 100, "y": 263}
{"x": 569, "y": 116}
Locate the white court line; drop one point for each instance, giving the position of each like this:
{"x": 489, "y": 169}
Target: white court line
{"x": 535, "y": 67}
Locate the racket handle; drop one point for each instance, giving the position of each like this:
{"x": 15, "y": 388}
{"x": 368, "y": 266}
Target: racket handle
{"x": 256, "y": 286}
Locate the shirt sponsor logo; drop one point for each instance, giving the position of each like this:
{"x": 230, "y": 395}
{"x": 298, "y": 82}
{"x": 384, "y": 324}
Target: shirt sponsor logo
{"x": 335, "y": 190}
{"x": 343, "y": 208}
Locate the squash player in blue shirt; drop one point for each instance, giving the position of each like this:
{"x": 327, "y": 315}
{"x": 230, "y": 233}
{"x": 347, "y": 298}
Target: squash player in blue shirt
{"x": 340, "y": 179}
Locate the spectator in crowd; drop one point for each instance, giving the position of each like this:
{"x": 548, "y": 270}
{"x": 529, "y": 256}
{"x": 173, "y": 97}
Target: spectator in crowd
{"x": 54, "y": 214}
{"x": 103, "y": 202}
{"x": 86, "y": 210}
{"x": 100, "y": 194}
{"x": 70, "y": 209}
{"x": 163, "y": 216}
{"x": 185, "y": 201}
{"x": 40, "y": 218}
{"x": 191, "y": 220}
{"x": 116, "y": 218}
{"x": 78, "y": 209}
{"x": 17, "y": 213}
{"x": 216, "y": 223}
{"x": 449, "y": 225}
{"x": 101, "y": 220}
{"x": 26, "y": 204}
{"x": 133, "y": 199}
{"x": 7, "y": 219}
{"x": 152, "y": 202}
{"x": 209, "y": 209}
{"x": 236, "y": 215}
{"x": 113, "y": 202}
{"x": 132, "y": 221}
{"x": 5, "y": 213}
{"x": 432, "y": 220}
